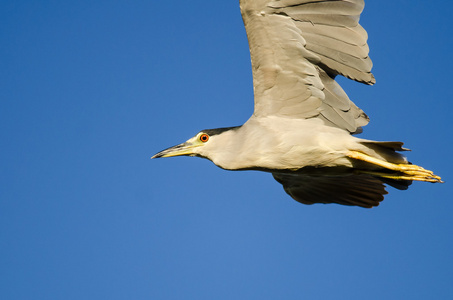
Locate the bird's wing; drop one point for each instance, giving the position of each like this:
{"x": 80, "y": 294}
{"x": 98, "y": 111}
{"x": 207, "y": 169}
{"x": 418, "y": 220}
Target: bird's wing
{"x": 353, "y": 190}
{"x": 297, "y": 48}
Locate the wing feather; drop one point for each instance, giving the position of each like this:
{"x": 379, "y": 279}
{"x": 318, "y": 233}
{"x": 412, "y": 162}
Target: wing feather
{"x": 297, "y": 48}
{"x": 353, "y": 190}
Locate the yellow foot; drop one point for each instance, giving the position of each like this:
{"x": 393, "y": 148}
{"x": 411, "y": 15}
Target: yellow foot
{"x": 405, "y": 171}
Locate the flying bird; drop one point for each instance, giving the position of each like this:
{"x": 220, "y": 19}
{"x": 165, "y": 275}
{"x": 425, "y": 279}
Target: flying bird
{"x": 303, "y": 126}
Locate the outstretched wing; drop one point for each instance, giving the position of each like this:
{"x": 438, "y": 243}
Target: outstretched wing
{"x": 353, "y": 190}
{"x": 297, "y": 48}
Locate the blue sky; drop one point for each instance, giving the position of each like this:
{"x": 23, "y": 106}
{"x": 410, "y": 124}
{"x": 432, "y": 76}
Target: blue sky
{"x": 91, "y": 89}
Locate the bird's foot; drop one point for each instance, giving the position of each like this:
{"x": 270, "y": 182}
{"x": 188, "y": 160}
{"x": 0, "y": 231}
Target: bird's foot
{"x": 404, "y": 171}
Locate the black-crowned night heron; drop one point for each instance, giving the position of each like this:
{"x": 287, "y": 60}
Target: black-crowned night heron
{"x": 302, "y": 126}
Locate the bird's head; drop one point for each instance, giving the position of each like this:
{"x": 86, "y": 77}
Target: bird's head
{"x": 205, "y": 144}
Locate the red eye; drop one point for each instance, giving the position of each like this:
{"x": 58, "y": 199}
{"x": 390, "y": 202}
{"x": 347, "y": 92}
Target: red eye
{"x": 204, "y": 137}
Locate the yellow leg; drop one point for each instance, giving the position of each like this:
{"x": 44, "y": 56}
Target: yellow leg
{"x": 407, "y": 171}
{"x": 400, "y": 177}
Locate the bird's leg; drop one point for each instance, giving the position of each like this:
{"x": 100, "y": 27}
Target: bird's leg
{"x": 405, "y": 171}
{"x": 400, "y": 177}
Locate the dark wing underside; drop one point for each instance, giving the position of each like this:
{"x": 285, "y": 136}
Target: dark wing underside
{"x": 297, "y": 48}
{"x": 353, "y": 190}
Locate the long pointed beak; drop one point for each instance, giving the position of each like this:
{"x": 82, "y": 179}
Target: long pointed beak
{"x": 178, "y": 150}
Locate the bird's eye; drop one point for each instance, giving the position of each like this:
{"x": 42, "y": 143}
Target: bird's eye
{"x": 204, "y": 137}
